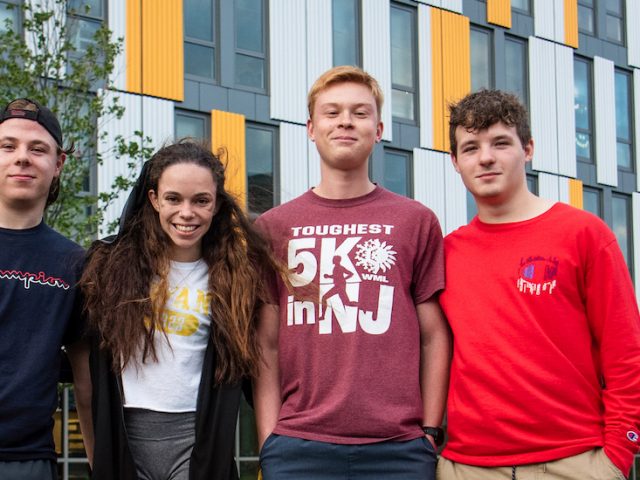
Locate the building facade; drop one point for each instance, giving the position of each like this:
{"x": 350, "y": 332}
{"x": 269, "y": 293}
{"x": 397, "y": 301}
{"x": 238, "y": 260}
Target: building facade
{"x": 237, "y": 72}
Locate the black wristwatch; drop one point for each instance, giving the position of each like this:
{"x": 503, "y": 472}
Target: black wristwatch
{"x": 436, "y": 432}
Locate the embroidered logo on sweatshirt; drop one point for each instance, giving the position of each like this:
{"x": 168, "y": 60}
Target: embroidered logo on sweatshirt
{"x": 28, "y": 279}
{"x": 537, "y": 275}
{"x": 633, "y": 436}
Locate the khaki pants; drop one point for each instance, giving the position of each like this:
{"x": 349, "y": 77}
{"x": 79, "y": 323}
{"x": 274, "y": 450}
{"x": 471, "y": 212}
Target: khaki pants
{"x": 591, "y": 465}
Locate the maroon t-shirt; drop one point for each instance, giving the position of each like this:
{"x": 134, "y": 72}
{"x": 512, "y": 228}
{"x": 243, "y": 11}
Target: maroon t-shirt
{"x": 349, "y": 343}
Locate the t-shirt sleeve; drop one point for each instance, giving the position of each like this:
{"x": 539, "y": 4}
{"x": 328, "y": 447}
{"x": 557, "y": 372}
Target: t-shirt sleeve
{"x": 76, "y": 327}
{"x": 428, "y": 273}
{"x": 613, "y": 316}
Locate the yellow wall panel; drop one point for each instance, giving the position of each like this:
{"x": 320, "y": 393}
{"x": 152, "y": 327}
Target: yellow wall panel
{"x": 228, "y": 134}
{"x": 162, "y": 49}
{"x": 456, "y": 64}
{"x": 571, "y": 23}
{"x": 436, "y": 70}
{"x": 499, "y": 12}
{"x": 575, "y": 193}
{"x": 133, "y": 43}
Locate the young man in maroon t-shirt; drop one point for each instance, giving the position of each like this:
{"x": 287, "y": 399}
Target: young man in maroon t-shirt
{"x": 545, "y": 379}
{"x": 356, "y": 356}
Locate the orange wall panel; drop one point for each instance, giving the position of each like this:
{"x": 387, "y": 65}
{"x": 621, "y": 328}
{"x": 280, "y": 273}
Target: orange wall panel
{"x": 575, "y": 193}
{"x": 571, "y": 23}
{"x": 133, "y": 46}
{"x": 228, "y": 138}
{"x": 499, "y": 12}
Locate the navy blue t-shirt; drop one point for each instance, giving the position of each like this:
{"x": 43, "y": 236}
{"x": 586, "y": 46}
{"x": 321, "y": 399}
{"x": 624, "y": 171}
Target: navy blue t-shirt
{"x": 39, "y": 269}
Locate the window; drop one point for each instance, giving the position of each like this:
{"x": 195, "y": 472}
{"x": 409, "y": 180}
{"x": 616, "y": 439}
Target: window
{"x": 9, "y": 12}
{"x": 586, "y": 17}
{"x": 521, "y": 5}
{"x": 614, "y": 21}
{"x": 199, "y": 39}
{"x": 346, "y": 32}
{"x": 621, "y": 226}
{"x": 582, "y": 106}
{"x": 515, "y": 60}
{"x": 623, "y": 120}
{"x": 250, "y": 44}
{"x": 191, "y": 125}
{"x": 403, "y": 65}
{"x": 85, "y": 18}
{"x": 395, "y": 172}
{"x": 481, "y": 59}
{"x": 261, "y": 158}
{"x": 592, "y": 200}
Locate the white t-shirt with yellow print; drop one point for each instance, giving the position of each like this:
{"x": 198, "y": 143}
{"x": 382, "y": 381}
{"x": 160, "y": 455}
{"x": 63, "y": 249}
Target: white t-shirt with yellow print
{"x": 171, "y": 383}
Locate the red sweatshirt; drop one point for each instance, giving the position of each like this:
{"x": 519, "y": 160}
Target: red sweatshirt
{"x": 543, "y": 314}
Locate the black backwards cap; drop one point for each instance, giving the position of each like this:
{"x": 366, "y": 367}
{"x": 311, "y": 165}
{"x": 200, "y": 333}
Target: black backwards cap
{"x": 41, "y": 114}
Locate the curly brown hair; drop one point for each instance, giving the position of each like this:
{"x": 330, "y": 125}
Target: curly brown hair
{"x": 119, "y": 276}
{"x": 484, "y": 108}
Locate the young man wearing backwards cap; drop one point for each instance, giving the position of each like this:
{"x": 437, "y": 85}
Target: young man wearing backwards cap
{"x": 39, "y": 269}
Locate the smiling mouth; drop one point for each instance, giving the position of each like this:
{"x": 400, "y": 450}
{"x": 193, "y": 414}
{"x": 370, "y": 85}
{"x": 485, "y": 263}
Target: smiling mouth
{"x": 488, "y": 175}
{"x": 185, "y": 228}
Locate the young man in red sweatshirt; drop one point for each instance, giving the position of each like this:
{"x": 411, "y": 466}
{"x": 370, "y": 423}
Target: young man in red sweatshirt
{"x": 545, "y": 380}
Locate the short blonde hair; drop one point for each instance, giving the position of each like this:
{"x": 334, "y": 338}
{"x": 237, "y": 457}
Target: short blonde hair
{"x": 343, "y": 74}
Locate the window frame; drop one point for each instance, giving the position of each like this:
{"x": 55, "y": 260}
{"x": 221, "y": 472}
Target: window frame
{"x": 358, "y": 33}
{"x": 275, "y": 161}
{"x": 591, "y": 130}
{"x": 178, "y": 112}
{"x": 621, "y": 18}
{"x": 213, "y": 44}
{"x": 414, "y": 89}
{"x": 630, "y": 102}
{"x": 249, "y": 53}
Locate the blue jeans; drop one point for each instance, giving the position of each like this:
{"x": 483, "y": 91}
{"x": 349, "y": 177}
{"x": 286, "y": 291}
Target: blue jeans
{"x": 288, "y": 458}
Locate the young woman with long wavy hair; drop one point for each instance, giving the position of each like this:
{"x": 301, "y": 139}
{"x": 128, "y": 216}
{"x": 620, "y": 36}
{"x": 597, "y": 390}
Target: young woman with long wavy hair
{"x": 172, "y": 301}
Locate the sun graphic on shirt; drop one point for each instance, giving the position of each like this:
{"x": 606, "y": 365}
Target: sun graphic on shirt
{"x": 374, "y": 255}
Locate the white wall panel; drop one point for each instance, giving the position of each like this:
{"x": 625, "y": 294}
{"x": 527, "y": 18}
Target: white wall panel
{"x": 429, "y": 180}
{"x": 563, "y": 190}
{"x": 549, "y": 186}
{"x": 157, "y": 121}
{"x": 636, "y": 122}
{"x": 288, "y": 60}
{"x": 117, "y": 10}
{"x": 376, "y": 53}
{"x": 314, "y": 164}
{"x": 319, "y": 39}
{"x": 558, "y": 21}
{"x": 455, "y": 200}
{"x": 635, "y": 206}
{"x": 425, "y": 74}
{"x": 111, "y": 166}
{"x": 453, "y": 5}
{"x": 544, "y": 23}
{"x": 605, "y": 121}
{"x": 542, "y": 86}
{"x": 633, "y": 35}
{"x": 294, "y": 170}
{"x": 566, "y": 118}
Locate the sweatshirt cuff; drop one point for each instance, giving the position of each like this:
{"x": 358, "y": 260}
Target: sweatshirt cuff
{"x": 621, "y": 448}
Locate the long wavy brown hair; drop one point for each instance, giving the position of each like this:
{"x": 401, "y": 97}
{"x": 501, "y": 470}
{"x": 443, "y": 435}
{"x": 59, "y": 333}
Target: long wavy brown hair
{"x": 119, "y": 276}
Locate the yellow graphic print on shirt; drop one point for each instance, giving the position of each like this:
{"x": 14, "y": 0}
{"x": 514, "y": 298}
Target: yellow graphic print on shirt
{"x": 179, "y": 317}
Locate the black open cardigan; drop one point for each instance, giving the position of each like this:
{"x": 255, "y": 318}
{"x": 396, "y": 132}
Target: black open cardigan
{"x": 212, "y": 457}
